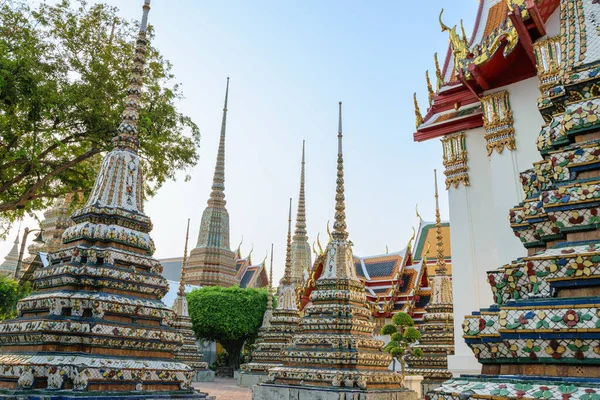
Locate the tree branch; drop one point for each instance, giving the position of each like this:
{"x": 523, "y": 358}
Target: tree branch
{"x": 30, "y": 192}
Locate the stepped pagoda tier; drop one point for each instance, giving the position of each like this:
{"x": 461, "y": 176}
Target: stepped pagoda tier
{"x": 541, "y": 336}
{"x": 95, "y": 323}
{"x": 188, "y": 353}
{"x": 334, "y": 353}
{"x": 56, "y": 220}
{"x": 9, "y": 265}
{"x": 301, "y": 257}
{"x": 437, "y": 340}
{"x": 212, "y": 263}
{"x": 393, "y": 282}
{"x": 278, "y": 326}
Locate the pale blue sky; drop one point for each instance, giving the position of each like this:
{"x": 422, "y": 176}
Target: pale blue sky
{"x": 290, "y": 62}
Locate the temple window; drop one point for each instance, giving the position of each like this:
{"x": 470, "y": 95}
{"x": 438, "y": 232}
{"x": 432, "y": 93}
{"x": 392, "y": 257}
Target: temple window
{"x": 498, "y": 122}
{"x": 455, "y": 159}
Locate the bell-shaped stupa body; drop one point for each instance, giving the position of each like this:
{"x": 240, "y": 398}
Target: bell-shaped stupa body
{"x": 95, "y": 321}
{"x": 212, "y": 263}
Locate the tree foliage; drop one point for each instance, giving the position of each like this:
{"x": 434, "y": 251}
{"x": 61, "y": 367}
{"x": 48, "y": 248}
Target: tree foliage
{"x": 403, "y": 338}
{"x": 10, "y": 293}
{"x": 64, "y": 70}
{"x": 230, "y": 316}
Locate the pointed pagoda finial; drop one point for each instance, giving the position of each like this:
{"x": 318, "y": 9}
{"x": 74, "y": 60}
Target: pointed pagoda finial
{"x": 181, "y": 291}
{"x": 287, "y": 274}
{"x": 217, "y": 195}
{"x": 270, "y": 293}
{"x": 127, "y": 133}
{"x": 339, "y": 225}
{"x": 429, "y": 89}
{"x": 438, "y": 72}
{"x": 300, "y": 231}
{"x": 419, "y": 117}
{"x": 441, "y": 263}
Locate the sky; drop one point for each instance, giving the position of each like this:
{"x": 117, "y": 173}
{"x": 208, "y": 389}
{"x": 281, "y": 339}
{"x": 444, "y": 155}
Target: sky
{"x": 290, "y": 63}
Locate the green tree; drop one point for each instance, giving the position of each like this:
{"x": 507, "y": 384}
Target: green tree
{"x": 64, "y": 70}
{"x": 230, "y": 316}
{"x": 403, "y": 336}
{"x": 10, "y": 293}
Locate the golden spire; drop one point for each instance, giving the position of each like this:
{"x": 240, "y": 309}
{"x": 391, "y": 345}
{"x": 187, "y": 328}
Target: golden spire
{"x": 429, "y": 89}
{"x": 417, "y": 111}
{"x": 438, "y": 72}
{"x": 339, "y": 226}
{"x": 441, "y": 263}
{"x": 181, "y": 291}
{"x": 270, "y": 292}
{"x": 287, "y": 275}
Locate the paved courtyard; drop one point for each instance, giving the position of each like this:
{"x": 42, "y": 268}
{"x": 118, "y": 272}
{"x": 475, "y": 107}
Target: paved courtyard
{"x": 224, "y": 389}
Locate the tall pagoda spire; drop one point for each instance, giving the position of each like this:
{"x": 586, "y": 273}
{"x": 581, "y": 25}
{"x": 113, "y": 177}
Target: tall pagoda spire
{"x": 287, "y": 274}
{"x": 300, "y": 231}
{"x": 217, "y": 195}
{"x": 339, "y": 226}
{"x": 301, "y": 255}
{"x": 103, "y": 274}
{"x": 181, "y": 291}
{"x": 349, "y": 358}
{"x": 270, "y": 296}
{"x": 212, "y": 262}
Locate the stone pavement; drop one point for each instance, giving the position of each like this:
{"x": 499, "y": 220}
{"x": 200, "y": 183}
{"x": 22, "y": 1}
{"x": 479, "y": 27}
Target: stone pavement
{"x": 224, "y": 389}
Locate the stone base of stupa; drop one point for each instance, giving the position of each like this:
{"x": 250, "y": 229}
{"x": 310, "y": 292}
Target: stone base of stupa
{"x": 513, "y": 386}
{"x": 265, "y": 391}
{"x": 249, "y": 379}
{"x": 79, "y": 395}
{"x": 204, "y": 375}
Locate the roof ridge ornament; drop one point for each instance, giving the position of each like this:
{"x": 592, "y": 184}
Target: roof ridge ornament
{"x": 438, "y": 73}
{"x": 460, "y": 46}
{"x": 418, "y": 116}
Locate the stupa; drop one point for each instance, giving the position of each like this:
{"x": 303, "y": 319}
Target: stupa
{"x": 9, "y": 265}
{"x": 212, "y": 263}
{"x": 301, "y": 257}
{"x": 437, "y": 341}
{"x": 94, "y": 325}
{"x": 540, "y": 339}
{"x": 334, "y": 355}
{"x": 278, "y": 325}
{"x": 188, "y": 353}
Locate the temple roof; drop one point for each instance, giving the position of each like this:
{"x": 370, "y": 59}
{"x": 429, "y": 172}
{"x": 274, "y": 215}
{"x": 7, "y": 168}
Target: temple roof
{"x": 379, "y": 267}
{"x": 499, "y": 52}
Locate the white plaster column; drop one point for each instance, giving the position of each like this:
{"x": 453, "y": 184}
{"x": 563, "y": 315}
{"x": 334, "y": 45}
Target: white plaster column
{"x": 473, "y": 240}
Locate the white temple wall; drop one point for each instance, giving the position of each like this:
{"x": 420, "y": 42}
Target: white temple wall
{"x": 506, "y": 167}
{"x": 473, "y": 242}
